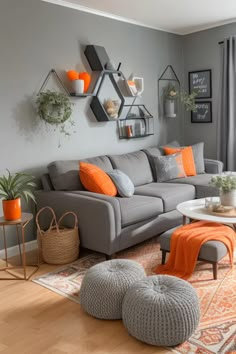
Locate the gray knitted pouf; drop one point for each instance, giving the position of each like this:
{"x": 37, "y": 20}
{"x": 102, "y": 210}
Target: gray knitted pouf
{"x": 104, "y": 286}
{"x": 161, "y": 310}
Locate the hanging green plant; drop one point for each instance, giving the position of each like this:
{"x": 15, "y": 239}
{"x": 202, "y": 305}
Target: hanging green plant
{"x": 55, "y": 108}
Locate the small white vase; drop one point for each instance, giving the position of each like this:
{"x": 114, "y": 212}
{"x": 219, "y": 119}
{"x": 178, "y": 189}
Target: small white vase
{"x": 170, "y": 108}
{"x": 228, "y": 198}
{"x": 78, "y": 86}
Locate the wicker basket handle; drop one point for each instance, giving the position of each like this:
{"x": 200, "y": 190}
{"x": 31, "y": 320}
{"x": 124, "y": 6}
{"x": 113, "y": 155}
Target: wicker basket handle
{"x": 67, "y": 213}
{"x": 52, "y": 223}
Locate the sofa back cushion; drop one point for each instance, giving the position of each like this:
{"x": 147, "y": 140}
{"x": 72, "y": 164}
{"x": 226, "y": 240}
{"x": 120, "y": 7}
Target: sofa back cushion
{"x": 135, "y": 165}
{"x": 64, "y": 174}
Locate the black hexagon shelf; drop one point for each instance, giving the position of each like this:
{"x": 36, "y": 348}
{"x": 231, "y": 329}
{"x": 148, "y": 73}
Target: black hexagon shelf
{"x": 108, "y": 89}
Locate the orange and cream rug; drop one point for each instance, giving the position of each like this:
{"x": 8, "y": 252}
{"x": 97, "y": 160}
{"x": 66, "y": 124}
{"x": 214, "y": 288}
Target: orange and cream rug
{"x": 216, "y": 333}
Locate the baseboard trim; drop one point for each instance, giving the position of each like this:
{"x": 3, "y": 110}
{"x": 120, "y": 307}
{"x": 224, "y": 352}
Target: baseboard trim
{"x": 14, "y": 251}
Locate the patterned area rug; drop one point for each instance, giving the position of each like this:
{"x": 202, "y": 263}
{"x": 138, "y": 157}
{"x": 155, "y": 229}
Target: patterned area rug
{"x": 217, "y": 330}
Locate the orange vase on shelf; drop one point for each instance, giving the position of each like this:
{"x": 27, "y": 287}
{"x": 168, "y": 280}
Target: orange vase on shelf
{"x": 87, "y": 79}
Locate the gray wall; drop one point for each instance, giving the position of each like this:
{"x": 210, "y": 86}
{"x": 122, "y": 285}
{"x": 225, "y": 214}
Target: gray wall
{"x": 202, "y": 51}
{"x": 36, "y": 36}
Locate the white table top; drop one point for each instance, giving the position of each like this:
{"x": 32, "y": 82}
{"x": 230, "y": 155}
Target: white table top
{"x": 195, "y": 209}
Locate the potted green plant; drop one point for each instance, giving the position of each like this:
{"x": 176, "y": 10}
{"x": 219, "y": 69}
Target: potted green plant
{"x": 171, "y": 94}
{"x": 227, "y": 187}
{"x": 12, "y": 188}
{"x": 55, "y": 108}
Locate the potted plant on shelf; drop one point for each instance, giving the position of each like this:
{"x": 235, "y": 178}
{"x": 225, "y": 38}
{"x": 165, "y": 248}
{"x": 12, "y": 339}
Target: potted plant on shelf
{"x": 171, "y": 95}
{"x": 12, "y": 188}
{"x": 227, "y": 187}
{"x": 55, "y": 108}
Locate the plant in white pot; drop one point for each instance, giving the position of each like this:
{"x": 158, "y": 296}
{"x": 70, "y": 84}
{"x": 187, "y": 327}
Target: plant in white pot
{"x": 12, "y": 188}
{"x": 172, "y": 94}
{"x": 227, "y": 187}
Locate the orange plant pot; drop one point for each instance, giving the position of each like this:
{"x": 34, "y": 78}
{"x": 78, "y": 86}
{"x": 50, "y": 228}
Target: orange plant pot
{"x": 12, "y": 209}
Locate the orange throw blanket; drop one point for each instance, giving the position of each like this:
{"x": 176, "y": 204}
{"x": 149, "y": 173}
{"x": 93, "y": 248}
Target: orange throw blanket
{"x": 186, "y": 242}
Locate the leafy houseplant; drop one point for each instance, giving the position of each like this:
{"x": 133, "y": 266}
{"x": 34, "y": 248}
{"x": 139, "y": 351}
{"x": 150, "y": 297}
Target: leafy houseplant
{"x": 55, "y": 108}
{"x": 227, "y": 187}
{"x": 188, "y": 100}
{"x": 12, "y": 188}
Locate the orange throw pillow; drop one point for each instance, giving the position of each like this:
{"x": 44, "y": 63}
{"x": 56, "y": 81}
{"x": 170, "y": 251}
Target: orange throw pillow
{"x": 96, "y": 180}
{"x": 187, "y": 156}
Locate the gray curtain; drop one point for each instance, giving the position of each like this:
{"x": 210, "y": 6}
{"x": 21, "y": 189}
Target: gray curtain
{"x": 226, "y": 143}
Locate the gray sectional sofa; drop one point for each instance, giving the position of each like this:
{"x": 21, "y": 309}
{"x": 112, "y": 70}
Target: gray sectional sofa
{"x": 110, "y": 224}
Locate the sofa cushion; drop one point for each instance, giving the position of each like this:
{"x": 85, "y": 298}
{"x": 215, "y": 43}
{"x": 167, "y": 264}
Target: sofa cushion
{"x": 170, "y": 193}
{"x": 64, "y": 174}
{"x": 168, "y": 167}
{"x": 155, "y": 151}
{"x": 102, "y": 162}
{"x": 139, "y": 208}
{"x": 201, "y": 183}
{"x": 94, "y": 179}
{"x": 135, "y": 165}
{"x": 187, "y": 156}
{"x": 123, "y": 183}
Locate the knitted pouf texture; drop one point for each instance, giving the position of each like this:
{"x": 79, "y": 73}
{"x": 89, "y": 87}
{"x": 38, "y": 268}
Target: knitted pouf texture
{"x": 161, "y": 310}
{"x": 104, "y": 286}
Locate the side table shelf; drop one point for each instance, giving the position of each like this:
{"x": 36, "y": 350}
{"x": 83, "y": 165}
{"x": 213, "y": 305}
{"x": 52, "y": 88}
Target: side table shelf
{"x": 19, "y": 224}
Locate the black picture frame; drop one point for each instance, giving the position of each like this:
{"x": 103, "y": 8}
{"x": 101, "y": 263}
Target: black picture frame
{"x": 200, "y": 82}
{"x": 203, "y": 113}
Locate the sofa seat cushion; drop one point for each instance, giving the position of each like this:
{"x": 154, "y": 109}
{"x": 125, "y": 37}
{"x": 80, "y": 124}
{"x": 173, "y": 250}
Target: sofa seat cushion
{"x": 201, "y": 184}
{"x": 170, "y": 193}
{"x": 135, "y": 165}
{"x": 139, "y": 208}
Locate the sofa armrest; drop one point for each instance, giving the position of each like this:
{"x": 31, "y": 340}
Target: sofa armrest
{"x": 98, "y": 216}
{"x": 213, "y": 166}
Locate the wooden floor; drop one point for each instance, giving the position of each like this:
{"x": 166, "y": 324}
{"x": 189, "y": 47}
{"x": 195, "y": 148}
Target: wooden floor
{"x": 36, "y": 320}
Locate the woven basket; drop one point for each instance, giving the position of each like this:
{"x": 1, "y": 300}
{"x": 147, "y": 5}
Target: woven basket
{"x": 58, "y": 245}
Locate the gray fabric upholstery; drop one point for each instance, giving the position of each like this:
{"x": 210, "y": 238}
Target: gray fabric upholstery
{"x": 139, "y": 208}
{"x": 161, "y": 310}
{"x": 99, "y": 217}
{"x": 135, "y": 165}
{"x": 157, "y": 151}
{"x": 104, "y": 286}
{"x": 198, "y": 155}
{"x": 144, "y": 230}
{"x": 170, "y": 193}
{"x": 123, "y": 183}
{"x": 46, "y": 182}
{"x": 213, "y": 166}
{"x": 64, "y": 175}
{"x": 102, "y": 162}
{"x": 210, "y": 251}
{"x": 201, "y": 183}
{"x": 168, "y": 167}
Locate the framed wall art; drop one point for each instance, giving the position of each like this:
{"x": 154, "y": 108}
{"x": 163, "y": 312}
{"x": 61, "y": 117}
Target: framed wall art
{"x": 200, "y": 82}
{"x": 203, "y": 113}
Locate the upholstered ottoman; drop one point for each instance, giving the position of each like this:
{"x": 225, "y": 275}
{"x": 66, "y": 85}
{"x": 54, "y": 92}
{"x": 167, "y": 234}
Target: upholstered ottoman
{"x": 104, "y": 286}
{"x": 161, "y": 310}
{"x": 211, "y": 251}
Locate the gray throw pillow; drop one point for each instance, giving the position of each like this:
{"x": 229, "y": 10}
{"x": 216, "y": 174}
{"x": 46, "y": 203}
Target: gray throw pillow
{"x": 123, "y": 183}
{"x": 168, "y": 167}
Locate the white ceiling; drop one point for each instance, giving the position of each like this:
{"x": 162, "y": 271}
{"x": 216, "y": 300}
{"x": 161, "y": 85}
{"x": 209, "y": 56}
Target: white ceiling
{"x": 176, "y": 16}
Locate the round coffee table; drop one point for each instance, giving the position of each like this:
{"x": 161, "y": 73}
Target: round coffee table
{"x": 195, "y": 209}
